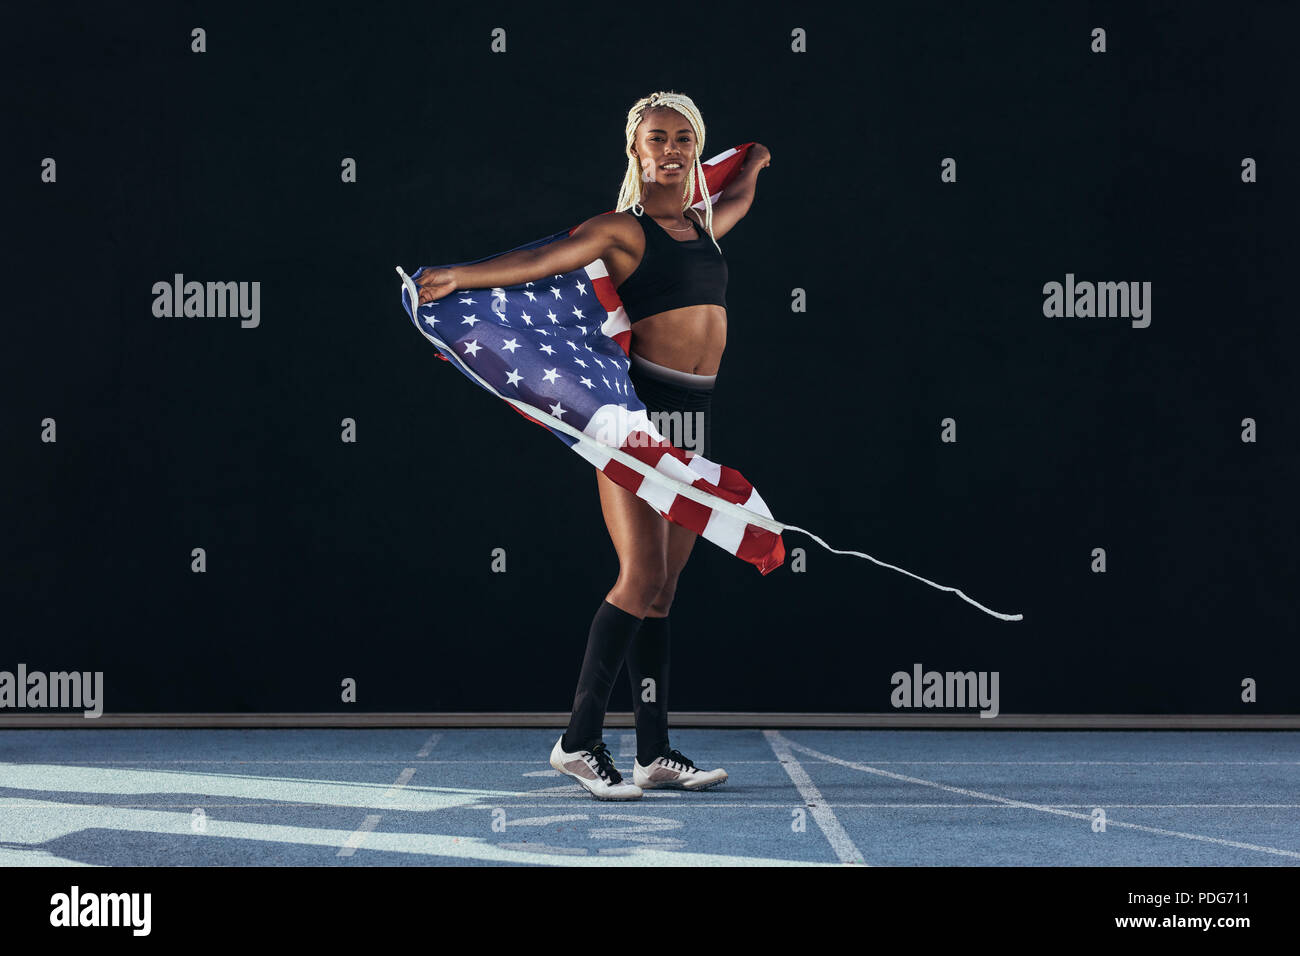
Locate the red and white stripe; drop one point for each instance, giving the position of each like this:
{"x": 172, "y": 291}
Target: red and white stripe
{"x": 716, "y": 502}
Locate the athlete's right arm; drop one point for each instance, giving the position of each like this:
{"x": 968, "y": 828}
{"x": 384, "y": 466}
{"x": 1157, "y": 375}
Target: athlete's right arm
{"x": 590, "y": 241}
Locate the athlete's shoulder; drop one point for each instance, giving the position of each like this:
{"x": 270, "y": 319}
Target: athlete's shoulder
{"x": 624, "y": 220}
{"x": 620, "y": 228}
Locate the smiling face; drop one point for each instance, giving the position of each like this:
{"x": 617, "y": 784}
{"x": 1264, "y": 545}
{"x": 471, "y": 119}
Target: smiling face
{"x": 665, "y": 147}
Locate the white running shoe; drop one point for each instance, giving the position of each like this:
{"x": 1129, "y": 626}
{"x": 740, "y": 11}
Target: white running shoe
{"x": 595, "y": 770}
{"x": 677, "y": 771}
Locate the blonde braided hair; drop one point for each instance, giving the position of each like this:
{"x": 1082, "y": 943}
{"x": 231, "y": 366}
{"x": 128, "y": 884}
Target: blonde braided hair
{"x": 629, "y": 197}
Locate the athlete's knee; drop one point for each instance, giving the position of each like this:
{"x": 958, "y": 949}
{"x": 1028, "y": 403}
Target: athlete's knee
{"x": 641, "y": 585}
{"x": 663, "y": 601}
{"x": 660, "y": 606}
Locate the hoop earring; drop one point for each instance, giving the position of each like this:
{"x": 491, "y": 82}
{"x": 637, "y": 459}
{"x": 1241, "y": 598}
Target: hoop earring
{"x": 637, "y": 208}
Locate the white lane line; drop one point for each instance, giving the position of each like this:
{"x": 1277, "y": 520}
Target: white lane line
{"x": 874, "y": 762}
{"x": 76, "y": 818}
{"x": 542, "y": 848}
{"x": 812, "y": 798}
{"x": 686, "y": 805}
{"x": 1038, "y": 806}
{"x": 429, "y": 745}
{"x": 372, "y": 820}
{"x": 546, "y": 821}
{"x": 234, "y": 762}
{"x": 402, "y": 780}
{"x": 359, "y": 835}
{"x": 1095, "y": 763}
{"x": 578, "y": 793}
{"x": 694, "y": 805}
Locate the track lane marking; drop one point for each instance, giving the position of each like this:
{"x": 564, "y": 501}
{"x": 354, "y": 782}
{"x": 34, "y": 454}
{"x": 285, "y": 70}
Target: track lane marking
{"x": 813, "y": 800}
{"x": 1037, "y": 806}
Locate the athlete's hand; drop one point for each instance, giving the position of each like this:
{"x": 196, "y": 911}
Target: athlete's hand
{"x": 436, "y": 283}
{"x": 758, "y": 156}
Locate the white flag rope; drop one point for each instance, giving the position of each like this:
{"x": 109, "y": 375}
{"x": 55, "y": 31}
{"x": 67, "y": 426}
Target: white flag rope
{"x": 653, "y": 474}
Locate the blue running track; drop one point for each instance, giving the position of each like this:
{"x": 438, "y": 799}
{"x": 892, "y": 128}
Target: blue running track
{"x": 402, "y": 797}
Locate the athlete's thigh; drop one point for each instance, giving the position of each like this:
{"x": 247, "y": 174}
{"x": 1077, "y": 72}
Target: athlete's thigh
{"x": 640, "y": 535}
{"x": 680, "y": 542}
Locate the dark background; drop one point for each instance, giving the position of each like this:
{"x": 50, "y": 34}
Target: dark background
{"x": 372, "y": 560}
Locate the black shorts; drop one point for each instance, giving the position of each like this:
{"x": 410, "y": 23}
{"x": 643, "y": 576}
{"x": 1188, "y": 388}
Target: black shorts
{"x": 680, "y": 412}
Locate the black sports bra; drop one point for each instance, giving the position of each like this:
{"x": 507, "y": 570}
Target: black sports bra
{"x": 673, "y": 274}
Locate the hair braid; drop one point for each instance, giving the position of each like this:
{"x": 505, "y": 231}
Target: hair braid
{"x": 630, "y": 194}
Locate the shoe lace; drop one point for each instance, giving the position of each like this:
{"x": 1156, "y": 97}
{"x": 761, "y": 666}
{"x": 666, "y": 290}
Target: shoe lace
{"x": 680, "y": 759}
{"x": 605, "y": 763}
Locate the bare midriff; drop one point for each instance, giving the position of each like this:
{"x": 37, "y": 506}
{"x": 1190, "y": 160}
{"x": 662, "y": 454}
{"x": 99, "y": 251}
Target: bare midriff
{"x": 689, "y": 339}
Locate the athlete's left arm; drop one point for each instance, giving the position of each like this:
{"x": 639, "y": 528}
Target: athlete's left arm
{"x": 739, "y": 194}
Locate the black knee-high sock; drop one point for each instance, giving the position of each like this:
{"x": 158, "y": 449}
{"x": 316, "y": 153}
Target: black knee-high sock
{"x": 647, "y": 658}
{"x": 611, "y": 632}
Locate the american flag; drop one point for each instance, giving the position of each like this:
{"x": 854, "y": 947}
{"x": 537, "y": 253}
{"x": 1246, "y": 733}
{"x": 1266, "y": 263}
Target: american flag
{"x": 557, "y": 351}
